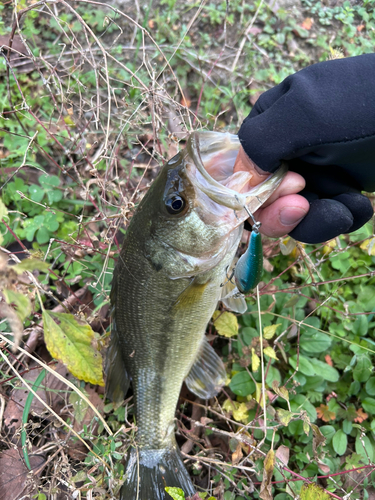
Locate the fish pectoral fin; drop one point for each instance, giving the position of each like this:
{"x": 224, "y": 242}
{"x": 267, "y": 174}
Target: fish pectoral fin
{"x": 207, "y": 375}
{"x": 232, "y": 299}
{"x": 117, "y": 380}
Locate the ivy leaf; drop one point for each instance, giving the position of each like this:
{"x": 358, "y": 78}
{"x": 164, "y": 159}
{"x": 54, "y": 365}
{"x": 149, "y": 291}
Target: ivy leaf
{"x": 225, "y": 323}
{"x": 71, "y": 342}
{"x": 269, "y": 331}
{"x": 175, "y": 493}
{"x": 340, "y": 442}
{"x": 22, "y": 303}
{"x": 268, "y": 351}
{"x": 325, "y": 414}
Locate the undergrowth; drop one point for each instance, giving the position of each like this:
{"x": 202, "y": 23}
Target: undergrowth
{"x": 93, "y": 99}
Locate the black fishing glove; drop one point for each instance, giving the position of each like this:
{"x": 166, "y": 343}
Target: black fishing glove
{"x": 321, "y": 120}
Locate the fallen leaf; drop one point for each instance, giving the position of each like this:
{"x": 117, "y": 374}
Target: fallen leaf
{"x": 20, "y": 301}
{"x": 71, "y": 342}
{"x": 266, "y": 486}
{"x": 325, "y": 414}
{"x": 282, "y": 453}
{"x": 237, "y": 454}
{"x": 14, "y": 474}
{"x": 318, "y": 438}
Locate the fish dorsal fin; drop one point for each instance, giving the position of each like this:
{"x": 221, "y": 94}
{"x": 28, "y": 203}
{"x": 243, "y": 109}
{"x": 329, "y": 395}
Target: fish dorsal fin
{"x": 232, "y": 299}
{"x": 207, "y": 375}
{"x": 117, "y": 380}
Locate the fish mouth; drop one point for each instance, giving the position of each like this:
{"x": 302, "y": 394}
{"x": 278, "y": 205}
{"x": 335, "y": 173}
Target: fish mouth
{"x": 211, "y": 170}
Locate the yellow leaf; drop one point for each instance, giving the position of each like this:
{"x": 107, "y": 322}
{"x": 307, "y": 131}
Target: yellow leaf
{"x": 3, "y": 210}
{"x": 313, "y": 492}
{"x": 287, "y": 245}
{"x": 241, "y": 414}
{"x": 284, "y": 416}
{"x": 369, "y": 246}
{"x": 229, "y": 405}
{"x": 268, "y": 351}
{"x": 269, "y": 331}
{"x": 225, "y": 323}
{"x": 266, "y": 487}
{"x": 258, "y": 392}
{"x": 280, "y": 391}
{"x": 21, "y": 301}
{"x": 255, "y": 361}
{"x": 71, "y": 342}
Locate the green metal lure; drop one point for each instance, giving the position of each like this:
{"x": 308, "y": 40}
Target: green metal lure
{"x": 249, "y": 268}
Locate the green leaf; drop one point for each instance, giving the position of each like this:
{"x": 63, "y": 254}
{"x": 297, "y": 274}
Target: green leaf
{"x": 80, "y": 406}
{"x": 242, "y": 385}
{"x": 31, "y": 265}
{"x": 301, "y": 402}
{"x": 21, "y": 302}
{"x": 363, "y": 368}
{"x": 370, "y": 386}
{"x": 328, "y": 432}
{"x": 367, "y": 452}
{"x": 36, "y": 193}
{"x": 325, "y": 370}
{"x": 49, "y": 181}
{"x": 304, "y": 365}
{"x": 225, "y": 323}
{"x": 54, "y": 196}
{"x": 71, "y": 342}
{"x": 315, "y": 342}
{"x": 340, "y": 442}
{"x": 51, "y": 222}
{"x": 175, "y": 493}
{"x": 369, "y": 405}
{"x": 42, "y": 235}
{"x": 360, "y": 326}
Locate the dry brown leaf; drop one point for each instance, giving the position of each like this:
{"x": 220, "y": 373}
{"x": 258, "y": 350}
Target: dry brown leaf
{"x": 237, "y": 455}
{"x": 282, "y": 453}
{"x": 14, "y": 473}
{"x": 325, "y": 414}
{"x": 361, "y": 416}
{"x": 266, "y": 487}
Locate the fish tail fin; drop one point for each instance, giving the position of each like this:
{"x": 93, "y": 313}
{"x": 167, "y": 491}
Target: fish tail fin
{"x": 149, "y": 472}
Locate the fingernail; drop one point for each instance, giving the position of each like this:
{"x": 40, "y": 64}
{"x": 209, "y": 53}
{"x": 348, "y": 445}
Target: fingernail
{"x": 291, "y": 215}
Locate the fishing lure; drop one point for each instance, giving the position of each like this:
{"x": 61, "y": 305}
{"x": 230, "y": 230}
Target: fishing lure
{"x": 249, "y": 268}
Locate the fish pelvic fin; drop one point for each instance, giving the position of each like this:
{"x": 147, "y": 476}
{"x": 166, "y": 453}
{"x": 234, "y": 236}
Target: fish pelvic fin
{"x": 149, "y": 472}
{"x": 117, "y": 380}
{"x": 207, "y": 375}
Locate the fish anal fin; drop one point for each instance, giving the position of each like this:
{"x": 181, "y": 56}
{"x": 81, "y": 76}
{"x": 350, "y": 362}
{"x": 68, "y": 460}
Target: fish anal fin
{"x": 117, "y": 380}
{"x": 207, "y": 375}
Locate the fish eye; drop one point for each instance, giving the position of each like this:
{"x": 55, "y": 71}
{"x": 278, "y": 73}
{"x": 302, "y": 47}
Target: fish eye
{"x": 175, "y": 204}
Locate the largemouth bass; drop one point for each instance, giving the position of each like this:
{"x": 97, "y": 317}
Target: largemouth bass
{"x": 166, "y": 285}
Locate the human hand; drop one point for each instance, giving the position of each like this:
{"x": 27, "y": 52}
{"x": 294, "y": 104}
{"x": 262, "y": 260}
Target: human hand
{"x": 321, "y": 121}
